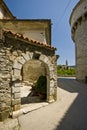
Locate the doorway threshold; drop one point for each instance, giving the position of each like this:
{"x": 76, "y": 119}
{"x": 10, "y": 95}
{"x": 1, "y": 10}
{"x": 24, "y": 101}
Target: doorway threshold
{"x": 26, "y": 108}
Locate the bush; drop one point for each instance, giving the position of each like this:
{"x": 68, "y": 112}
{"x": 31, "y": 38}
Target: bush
{"x": 66, "y": 72}
{"x": 41, "y": 86}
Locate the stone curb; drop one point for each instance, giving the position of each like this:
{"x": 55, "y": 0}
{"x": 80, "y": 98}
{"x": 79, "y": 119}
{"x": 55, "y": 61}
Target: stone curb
{"x": 28, "y": 109}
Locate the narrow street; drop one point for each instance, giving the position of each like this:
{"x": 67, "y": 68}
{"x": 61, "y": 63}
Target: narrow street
{"x": 69, "y": 112}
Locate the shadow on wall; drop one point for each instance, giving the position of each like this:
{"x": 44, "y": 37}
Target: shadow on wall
{"x": 31, "y": 71}
{"x": 29, "y": 94}
{"x": 76, "y": 116}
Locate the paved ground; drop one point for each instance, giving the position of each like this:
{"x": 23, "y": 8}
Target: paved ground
{"x": 69, "y": 112}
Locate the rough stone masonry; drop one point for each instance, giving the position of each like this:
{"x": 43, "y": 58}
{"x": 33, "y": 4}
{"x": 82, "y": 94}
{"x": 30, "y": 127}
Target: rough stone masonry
{"x": 14, "y": 53}
{"x": 78, "y": 22}
{"x": 25, "y": 45}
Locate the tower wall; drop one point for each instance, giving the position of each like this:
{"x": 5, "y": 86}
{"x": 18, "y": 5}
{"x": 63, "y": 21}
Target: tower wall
{"x": 78, "y": 22}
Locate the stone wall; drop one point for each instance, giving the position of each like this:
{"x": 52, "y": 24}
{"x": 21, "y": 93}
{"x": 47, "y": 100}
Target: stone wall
{"x": 81, "y": 51}
{"x": 14, "y": 54}
{"x": 5, "y": 78}
{"x": 79, "y": 35}
{"x": 78, "y": 11}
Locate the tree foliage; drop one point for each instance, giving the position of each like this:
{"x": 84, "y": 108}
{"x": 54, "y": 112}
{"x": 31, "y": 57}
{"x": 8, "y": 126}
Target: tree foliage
{"x": 41, "y": 84}
{"x": 65, "y": 72}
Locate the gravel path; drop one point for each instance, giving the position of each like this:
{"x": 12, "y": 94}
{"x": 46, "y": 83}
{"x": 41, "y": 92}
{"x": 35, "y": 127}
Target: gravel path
{"x": 69, "y": 112}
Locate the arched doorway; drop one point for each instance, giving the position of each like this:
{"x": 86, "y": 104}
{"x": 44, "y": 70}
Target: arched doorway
{"x": 31, "y": 71}
{"x": 27, "y": 66}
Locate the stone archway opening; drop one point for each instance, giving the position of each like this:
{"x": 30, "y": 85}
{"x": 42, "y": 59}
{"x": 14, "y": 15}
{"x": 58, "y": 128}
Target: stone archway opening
{"x": 20, "y": 62}
{"x": 30, "y": 72}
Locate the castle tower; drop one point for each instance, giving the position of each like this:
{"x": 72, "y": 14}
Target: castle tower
{"x": 78, "y": 22}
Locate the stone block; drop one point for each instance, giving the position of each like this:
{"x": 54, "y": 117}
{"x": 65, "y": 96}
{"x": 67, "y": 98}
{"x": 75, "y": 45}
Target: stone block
{"x": 17, "y": 65}
{"x": 16, "y": 72}
{"x": 15, "y": 53}
{"x": 17, "y": 95}
{"x": 51, "y": 68}
{"x": 46, "y": 60}
{"x": 16, "y": 77}
{"x": 17, "y": 114}
{"x": 12, "y": 58}
{"x": 16, "y": 102}
{"x": 4, "y": 115}
{"x": 50, "y": 99}
{"x": 51, "y": 75}
{"x": 16, "y": 107}
{"x": 15, "y": 89}
{"x": 42, "y": 57}
{"x": 26, "y": 56}
{"x": 17, "y": 85}
{"x": 31, "y": 55}
{"x": 51, "y": 91}
{"x": 22, "y": 61}
{"x": 52, "y": 84}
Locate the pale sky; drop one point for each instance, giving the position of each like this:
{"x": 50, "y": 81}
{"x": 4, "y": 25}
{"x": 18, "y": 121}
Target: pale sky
{"x": 59, "y": 12}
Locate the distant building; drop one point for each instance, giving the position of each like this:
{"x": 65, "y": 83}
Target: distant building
{"x": 78, "y": 22}
{"x": 66, "y": 62}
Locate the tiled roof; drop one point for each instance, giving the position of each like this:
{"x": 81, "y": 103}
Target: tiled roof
{"x": 21, "y": 37}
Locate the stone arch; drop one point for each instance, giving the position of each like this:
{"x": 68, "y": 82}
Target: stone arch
{"x": 34, "y": 69}
{"x": 17, "y": 77}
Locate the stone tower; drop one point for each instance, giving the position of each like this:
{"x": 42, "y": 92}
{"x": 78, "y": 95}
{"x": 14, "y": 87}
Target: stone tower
{"x": 78, "y": 22}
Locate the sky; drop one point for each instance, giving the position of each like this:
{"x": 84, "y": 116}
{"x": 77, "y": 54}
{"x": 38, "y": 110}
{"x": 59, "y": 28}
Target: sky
{"x": 59, "y": 12}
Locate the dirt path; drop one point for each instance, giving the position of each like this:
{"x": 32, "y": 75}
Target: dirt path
{"x": 69, "y": 112}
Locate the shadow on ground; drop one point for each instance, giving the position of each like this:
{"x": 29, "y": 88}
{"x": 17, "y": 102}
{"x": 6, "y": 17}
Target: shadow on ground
{"x": 76, "y": 116}
{"x": 30, "y": 96}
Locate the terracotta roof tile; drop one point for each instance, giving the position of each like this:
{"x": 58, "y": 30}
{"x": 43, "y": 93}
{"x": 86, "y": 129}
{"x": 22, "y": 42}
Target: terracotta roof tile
{"x": 17, "y": 35}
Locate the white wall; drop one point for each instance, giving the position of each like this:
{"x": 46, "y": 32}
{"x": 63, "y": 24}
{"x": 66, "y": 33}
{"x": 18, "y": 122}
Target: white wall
{"x": 38, "y": 35}
{"x": 1, "y": 14}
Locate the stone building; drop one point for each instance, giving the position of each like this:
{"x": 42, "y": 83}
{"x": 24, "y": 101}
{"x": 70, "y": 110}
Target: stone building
{"x": 78, "y": 22}
{"x": 25, "y": 54}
